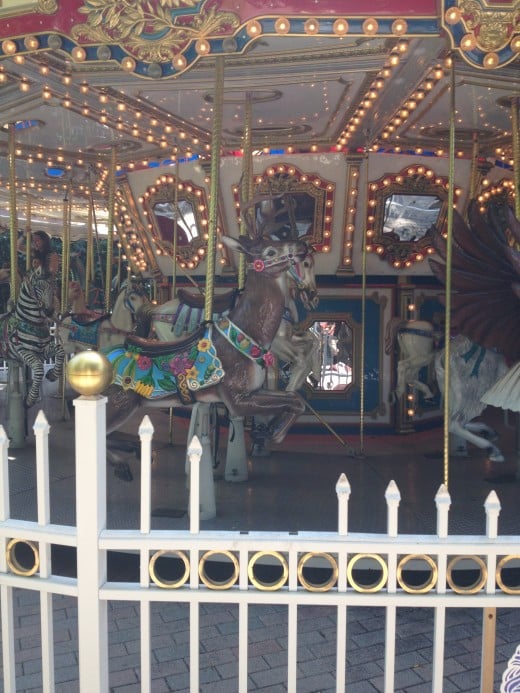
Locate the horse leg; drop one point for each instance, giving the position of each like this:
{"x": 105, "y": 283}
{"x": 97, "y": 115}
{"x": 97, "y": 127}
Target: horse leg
{"x": 56, "y": 352}
{"x": 283, "y": 408}
{"x": 482, "y": 429}
{"x": 462, "y": 431}
{"x": 35, "y": 363}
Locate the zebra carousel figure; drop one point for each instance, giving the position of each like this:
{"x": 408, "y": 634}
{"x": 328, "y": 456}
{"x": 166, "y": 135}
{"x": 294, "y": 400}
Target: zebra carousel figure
{"x": 26, "y": 340}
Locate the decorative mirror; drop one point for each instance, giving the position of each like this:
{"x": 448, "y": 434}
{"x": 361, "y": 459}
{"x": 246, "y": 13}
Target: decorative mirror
{"x": 312, "y": 198}
{"x": 402, "y": 209}
{"x": 333, "y": 367}
{"x": 183, "y": 210}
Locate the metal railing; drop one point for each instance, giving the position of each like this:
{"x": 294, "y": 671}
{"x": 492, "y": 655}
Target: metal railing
{"x": 339, "y": 569}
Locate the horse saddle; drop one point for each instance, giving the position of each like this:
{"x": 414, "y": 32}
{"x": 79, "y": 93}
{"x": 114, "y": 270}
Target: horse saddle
{"x": 88, "y": 318}
{"x": 221, "y": 302}
{"x": 155, "y": 369}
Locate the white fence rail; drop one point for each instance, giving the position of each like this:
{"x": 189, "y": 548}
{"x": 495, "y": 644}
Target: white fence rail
{"x": 339, "y": 569}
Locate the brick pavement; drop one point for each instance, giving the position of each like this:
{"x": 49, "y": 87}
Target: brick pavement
{"x": 267, "y": 655}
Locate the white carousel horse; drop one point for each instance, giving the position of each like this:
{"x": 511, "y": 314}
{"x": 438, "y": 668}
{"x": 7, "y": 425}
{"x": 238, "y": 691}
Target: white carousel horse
{"x": 416, "y": 341}
{"x": 25, "y": 330}
{"x": 473, "y": 371}
{"x": 82, "y": 328}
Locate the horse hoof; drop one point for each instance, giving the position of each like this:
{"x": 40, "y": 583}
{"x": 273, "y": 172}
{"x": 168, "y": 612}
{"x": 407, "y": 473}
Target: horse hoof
{"x": 51, "y": 376}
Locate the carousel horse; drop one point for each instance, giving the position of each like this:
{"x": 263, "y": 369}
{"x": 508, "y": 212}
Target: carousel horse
{"x": 82, "y": 328}
{"x": 416, "y": 341}
{"x": 26, "y": 330}
{"x": 473, "y": 370}
{"x": 180, "y": 317}
{"x": 223, "y": 361}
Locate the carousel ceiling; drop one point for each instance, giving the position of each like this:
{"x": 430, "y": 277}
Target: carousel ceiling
{"x": 75, "y": 110}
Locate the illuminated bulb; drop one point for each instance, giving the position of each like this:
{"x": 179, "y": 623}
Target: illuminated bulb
{"x": 31, "y": 43}
{"x": 394, "y": 59}
{"x": 340, "y": 27}
{"x": 452, "y": 16}
{"x": 515, "y": 44}
{"x": 179, "y": 62}
{"x": 202, "y": 47}
{"x": 253, "y": 28}
{"x": 370, "y": 26}
{"x": 128, "y": 64}
{"x": 8, "y": 47}
{"x": 311, "y": 26}
{"x": 24, "y": 85}
{"x": 490, "y": 61}
{"x": 399, "y": 27}
{"x": 282, "y": 25}
{"x": 79, "y": 54}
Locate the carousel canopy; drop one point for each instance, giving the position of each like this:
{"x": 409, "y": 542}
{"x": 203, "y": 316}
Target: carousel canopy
{"x": 96, "y": 90}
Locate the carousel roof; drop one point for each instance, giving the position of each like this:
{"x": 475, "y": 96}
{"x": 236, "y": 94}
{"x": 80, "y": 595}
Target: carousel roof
{"x": 91, "y": 87}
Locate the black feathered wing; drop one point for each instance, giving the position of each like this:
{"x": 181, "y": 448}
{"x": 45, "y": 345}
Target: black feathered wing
{"x": 485, "y": 278}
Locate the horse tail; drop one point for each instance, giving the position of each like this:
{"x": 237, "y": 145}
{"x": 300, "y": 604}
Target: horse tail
{"x": 391, "y": 333}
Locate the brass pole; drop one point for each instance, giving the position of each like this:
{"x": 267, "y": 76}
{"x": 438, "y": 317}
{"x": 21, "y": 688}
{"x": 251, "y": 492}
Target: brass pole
{"x": 13, "y": 218}
{"x": 449, "y": 229}
{"x": 214, "y": 186}
{"x": 175, "y": 226}
{"x": 247, "y": 186}
{"x": 474, "y": 175}
{"x": 65, "y": 252}
{"x": 90, "y": 249}
{"x": 28, "y": 230}
{"x": 363, "y": 319}
{"x": 110, "y": 235}
{"x": 515, "y": 125}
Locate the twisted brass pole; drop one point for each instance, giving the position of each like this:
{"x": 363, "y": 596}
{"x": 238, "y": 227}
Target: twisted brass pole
{"x": 65, "y": 251}
{"x": 13, "y": 218}
{"x": 246, "y": 192}
{"x": 447, "y": 326}
{"x": 515, "y": 125}
{"x": 110, "y": 235}
{"x": 214, "y": 186}
{"x": 28, "y": 230}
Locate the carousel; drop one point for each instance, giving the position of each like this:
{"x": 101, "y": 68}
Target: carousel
{"x": 279, "y": 222}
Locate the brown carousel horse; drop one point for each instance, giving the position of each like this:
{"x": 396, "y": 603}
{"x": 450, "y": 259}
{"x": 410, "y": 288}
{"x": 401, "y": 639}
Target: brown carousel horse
{"x": 224, "y": 361}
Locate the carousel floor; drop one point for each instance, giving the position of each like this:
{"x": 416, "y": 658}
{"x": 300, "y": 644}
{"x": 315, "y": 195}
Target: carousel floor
{"x": 293, "y": 488}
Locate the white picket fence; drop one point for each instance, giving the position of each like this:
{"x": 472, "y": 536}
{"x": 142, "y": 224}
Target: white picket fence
{"x": 341, "y": 568}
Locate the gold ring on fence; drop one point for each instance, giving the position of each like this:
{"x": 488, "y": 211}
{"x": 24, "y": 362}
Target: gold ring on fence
{"x": 218, "y": 584}
{"x": 318, "y": 586}
{"x": 375, "y": 586}
{"x": 14, "y": 561}
{"x": 163, "y": 582}
{"x": 508, "y": 589}
{"x": 475, "y": 586}
{"x": 428, "y": 584}
{"x": 263, "y": 585}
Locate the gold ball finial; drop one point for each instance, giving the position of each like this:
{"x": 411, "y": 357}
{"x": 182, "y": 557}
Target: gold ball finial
{"x": 89, "y": 372}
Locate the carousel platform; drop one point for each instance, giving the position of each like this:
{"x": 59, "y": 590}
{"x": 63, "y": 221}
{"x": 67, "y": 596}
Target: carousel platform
{"x": 292, "y": 488}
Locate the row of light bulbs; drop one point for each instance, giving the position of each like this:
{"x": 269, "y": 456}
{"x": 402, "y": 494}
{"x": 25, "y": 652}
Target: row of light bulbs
{"x": 404, "y": 112}
{"x": 373, "y": 93}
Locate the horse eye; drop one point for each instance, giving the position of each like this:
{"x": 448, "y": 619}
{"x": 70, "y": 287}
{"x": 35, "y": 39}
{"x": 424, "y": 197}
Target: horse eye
{"x": 270, "y": 252}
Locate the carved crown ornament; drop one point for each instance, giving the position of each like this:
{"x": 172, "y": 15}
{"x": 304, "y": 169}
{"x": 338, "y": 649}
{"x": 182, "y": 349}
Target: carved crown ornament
{"x": 487, "y": 35}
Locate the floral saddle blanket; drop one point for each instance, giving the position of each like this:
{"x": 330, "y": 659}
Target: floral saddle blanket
{"x": 159, "y": 369}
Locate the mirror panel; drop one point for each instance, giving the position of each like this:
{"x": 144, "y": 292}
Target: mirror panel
{"x": 402, "y": 208}
{"x": 334, "y": 358}
{"x": 184, "y": 209}
{"x": 312, "y": 204}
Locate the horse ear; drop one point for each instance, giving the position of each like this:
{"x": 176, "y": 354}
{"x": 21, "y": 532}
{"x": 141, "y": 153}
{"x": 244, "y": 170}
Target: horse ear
{"x": 239, "y": 245}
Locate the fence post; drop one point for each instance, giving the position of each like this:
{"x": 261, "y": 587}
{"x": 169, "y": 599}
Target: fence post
{"x": 90, "y": 432}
